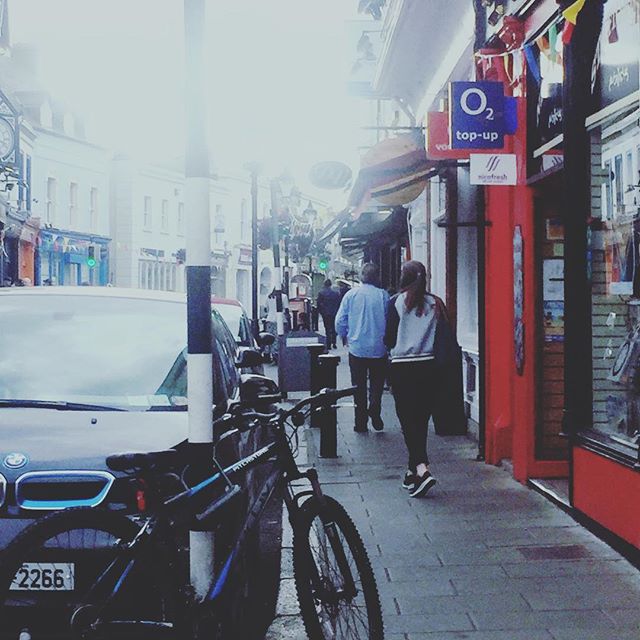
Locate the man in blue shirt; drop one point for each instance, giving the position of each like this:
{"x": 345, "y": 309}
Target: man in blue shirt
{"x": 361, "y": 319}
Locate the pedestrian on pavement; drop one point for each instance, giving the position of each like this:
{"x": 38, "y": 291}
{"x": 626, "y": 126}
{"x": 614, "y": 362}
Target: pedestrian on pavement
{"x": 412, "y": 319}
{"x": 361, "y": 320}
{"x": 328, "y": 305}
{"x": 343, "y": 287}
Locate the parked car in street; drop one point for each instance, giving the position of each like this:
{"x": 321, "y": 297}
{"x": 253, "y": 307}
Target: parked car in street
{"x": 235, "y": 316}
{"x": 85, "y": 372}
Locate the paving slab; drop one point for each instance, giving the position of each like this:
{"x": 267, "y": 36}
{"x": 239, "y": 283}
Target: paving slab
{"x": 481, "y": 557}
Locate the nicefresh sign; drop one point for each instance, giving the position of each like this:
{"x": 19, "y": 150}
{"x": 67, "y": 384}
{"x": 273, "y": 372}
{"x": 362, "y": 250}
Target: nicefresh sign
{"x": 493, "y": 168}
{"x": 477, "y": 115}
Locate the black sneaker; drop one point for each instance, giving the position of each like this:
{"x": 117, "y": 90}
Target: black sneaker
{"x": 377, "y": 423}
{"x": 422, "y": 484}
{"x": 409, "y": 480}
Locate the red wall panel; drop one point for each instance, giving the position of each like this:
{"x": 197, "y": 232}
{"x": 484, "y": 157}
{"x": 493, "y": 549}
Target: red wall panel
{"x": 608, "y": 493}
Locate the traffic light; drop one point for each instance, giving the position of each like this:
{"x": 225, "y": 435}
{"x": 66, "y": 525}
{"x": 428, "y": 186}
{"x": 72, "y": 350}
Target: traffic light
{"x": 91, "y": 256}
{"x": 323, "y": 264}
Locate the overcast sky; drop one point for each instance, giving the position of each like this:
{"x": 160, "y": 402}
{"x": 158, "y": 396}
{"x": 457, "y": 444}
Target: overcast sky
{"x": 277, "y": 75}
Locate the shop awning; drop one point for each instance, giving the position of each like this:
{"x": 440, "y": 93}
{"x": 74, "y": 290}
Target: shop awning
{"x": 380, "y": 227}
{"x": 333, "y": 227}
{"x": 393, "y": 173}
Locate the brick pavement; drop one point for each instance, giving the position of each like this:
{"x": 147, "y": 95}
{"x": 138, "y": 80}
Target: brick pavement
{"x": 481, "y": 557}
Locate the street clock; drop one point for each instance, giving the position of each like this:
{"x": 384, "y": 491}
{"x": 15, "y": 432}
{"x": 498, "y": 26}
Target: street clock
{"x": 9, "y": 134}
{"x": 7, "y": 139}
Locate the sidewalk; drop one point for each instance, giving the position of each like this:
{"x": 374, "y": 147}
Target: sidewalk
{"x": 481, "y": 557}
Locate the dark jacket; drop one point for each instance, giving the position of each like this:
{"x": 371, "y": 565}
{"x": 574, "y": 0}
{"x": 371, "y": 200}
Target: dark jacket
{"x": 328, "y": 301}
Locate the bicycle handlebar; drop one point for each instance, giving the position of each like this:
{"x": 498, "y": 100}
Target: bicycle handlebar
{"x": 324, "y": 397}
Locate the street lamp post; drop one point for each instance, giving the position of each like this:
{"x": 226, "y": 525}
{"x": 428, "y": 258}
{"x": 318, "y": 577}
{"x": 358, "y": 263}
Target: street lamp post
{"x": 253, "y": 170}
{"x": 198, "y": 260}
{"x": 275, "y": 191}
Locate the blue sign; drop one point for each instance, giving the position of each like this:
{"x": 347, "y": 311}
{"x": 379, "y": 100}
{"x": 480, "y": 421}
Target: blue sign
{"x": 477, "y": 115}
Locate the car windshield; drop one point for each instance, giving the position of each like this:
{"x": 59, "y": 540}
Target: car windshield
{"x": 116, "y": 352}
{"x": 232, "y": 315}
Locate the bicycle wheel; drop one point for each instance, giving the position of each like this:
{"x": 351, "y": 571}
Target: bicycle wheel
{"x": 336, "y": 587}
{"x": 47, "y": 571}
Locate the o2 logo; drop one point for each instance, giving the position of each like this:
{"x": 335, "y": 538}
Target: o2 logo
{"x": 467, "y": 99}
{"x": 477, "y": 115}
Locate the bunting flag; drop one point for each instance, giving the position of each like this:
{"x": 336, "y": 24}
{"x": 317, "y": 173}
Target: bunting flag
{"x": 532, "y": 63}
{"x": 567, "y": 32}
{"x": 570, "y": 14}
{"x": 507, "y": 64}
{"x": 553, "y": 41}
{"x": 543, "y": 45}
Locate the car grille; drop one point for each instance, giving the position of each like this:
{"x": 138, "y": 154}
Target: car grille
{"x": 44, "y": 490}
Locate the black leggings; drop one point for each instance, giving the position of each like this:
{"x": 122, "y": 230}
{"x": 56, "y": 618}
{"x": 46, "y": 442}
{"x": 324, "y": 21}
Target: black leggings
{"x": 413, "y": 385}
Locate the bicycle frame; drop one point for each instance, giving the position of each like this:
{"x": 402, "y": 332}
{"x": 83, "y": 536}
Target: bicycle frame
{"x": 158, "y": 531}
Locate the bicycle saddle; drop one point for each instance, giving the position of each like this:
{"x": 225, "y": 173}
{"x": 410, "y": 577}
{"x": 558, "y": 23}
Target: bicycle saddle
{"x": 161, "y": 460}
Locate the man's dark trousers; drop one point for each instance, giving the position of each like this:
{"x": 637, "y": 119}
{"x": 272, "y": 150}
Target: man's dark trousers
{"x": 375, "y": 369}
{"x": 329, "y": 321}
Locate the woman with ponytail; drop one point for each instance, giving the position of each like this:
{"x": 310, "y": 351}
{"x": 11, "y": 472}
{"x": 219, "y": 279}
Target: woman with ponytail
{"x": 412, "y": 318}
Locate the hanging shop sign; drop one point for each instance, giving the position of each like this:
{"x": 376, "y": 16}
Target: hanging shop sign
{"x": 493, "y": 169}
{"x": 618, "y": 55}
{"x": 438, "y": 138}
{"x": 477, "y": 111}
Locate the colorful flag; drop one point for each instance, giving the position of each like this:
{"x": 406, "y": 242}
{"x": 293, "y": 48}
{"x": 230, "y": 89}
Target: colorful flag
{"x": 570, "y": 14}
{"x": 567, "y": 32}
{"x": 532, "y": 62}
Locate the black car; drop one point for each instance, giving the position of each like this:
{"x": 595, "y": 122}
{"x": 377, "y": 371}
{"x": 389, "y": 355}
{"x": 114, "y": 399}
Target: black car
{"x": 85, "y": 372}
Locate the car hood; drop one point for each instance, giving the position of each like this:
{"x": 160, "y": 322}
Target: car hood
{"x": 52, "y": 439}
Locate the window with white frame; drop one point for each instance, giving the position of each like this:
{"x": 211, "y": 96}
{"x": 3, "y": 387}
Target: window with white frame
{"x": 73, "y": 205}
{"x": 164, "y": 217}
{"x": 180, "y": 218}
{"x": 219, "y": 225}
{"x": 93, "y": 208}
{"x": 147, "y": 221}
{"x": 52, "y": 184}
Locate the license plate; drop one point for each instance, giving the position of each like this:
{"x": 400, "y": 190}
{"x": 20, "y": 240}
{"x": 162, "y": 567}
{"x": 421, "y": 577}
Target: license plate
{"x": 44, "y": 576}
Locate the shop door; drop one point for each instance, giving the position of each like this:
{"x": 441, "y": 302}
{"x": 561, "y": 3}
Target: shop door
{"x": 549, "y": 444}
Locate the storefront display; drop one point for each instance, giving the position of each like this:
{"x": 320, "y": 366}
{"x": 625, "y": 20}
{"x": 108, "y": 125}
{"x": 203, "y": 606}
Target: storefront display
{"x": 615, "y": 233}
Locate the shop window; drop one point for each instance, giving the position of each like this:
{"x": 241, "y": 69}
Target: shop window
{"x": 615, "y": 276}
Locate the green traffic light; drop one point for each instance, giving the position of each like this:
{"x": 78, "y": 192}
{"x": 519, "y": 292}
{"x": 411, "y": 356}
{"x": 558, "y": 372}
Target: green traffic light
{"x": 322, "y": 264}
{"x": 91, "y": 262}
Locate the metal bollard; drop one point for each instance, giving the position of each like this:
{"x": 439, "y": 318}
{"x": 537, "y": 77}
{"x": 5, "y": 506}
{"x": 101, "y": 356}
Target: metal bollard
{"x": 314, "y": 375}
{"x": 328, "y": 418}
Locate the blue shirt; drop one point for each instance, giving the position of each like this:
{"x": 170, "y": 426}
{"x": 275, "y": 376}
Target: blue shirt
{"x": 362, "y": 318}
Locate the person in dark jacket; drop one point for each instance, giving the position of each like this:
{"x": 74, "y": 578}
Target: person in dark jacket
{"x": 328, "y": 305}
{"x": 412, "y": 319}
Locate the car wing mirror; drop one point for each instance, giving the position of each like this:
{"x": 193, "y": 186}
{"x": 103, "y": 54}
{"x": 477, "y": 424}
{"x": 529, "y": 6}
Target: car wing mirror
{"x": 249, "y": 358}
{"x": 265, "y": 339}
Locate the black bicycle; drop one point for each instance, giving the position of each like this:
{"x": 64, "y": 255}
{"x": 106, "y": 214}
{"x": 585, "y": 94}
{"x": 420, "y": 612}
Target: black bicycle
{"x": 105, "y": 575}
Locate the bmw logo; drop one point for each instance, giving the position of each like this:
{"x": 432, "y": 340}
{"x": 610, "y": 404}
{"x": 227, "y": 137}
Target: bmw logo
{"x": 15, "y": 460}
